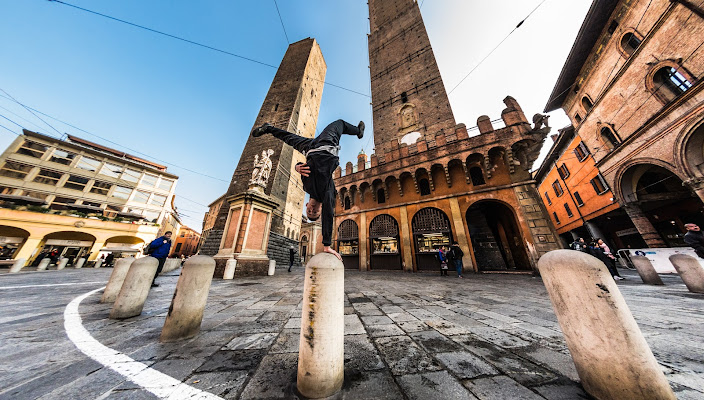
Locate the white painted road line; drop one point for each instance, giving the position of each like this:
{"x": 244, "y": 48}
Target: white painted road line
{"x": 54, "y": 284}
{"x": 159, "y": 384}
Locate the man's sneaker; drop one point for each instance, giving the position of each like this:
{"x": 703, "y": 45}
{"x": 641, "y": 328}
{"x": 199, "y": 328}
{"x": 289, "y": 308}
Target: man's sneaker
{"x": 361, "y": 129}
{"x": 260, "y": 130}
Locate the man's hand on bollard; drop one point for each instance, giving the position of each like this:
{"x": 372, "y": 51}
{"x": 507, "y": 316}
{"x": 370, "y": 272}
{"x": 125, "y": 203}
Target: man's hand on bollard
{"x": 328, "y": 249}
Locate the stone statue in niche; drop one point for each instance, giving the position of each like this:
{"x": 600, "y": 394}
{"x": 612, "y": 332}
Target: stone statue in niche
{"x": 408, "y": 116}
{"x": 262, "y": 168}
{"x": 526, "y": 151}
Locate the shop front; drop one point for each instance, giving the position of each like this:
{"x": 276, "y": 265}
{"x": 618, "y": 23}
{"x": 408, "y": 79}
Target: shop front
{"x": 384, "y": 239}
{"x": 348, "y": 243}
{"x": 431, "y": 230}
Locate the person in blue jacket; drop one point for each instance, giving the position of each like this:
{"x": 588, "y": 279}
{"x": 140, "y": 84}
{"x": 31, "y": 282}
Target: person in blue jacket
{"x": 159, "y": 249}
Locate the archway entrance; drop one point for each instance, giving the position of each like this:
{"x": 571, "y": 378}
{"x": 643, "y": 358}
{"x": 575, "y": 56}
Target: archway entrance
{"x": 11, "y": 239}
{"x": 384, "y": 239}
{"x": 496, "y": 238}
{"x": 66, "y": 244}
{"x": 431, "y": 229}
{"x": 348, "y": 243}
{"x": 667, "y": 203}
{"x": 122, "y": 246}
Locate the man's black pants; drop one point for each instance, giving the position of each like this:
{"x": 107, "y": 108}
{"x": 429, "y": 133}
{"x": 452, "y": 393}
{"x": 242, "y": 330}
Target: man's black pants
{"x": 159, "y": 268}
{"x": 329, "y": 136}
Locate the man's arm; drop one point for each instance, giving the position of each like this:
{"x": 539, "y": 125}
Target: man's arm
{"x": 696, "y": 244}
{"x": 328, "y": 217}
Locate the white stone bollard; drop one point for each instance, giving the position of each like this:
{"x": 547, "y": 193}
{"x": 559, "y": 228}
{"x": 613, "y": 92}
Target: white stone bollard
{"x": 79, "y": 263}
{"x": 690, "y": 271}
{"x": 321, "y": 351}
{"x": 119, "y": 272}
{"x": 135, "y": 288}
{"x": 171, "y": 264}
{"x": 230, "y": 269}
{"x": 18, "y": 265}
{"x": 43, "y": 264}
{"x": 62, "y": 264}
{"x": 98, "y": 263}
{"x": 272, "y": 267}
{"x": 646, "y": 270}
{"x": 186, "y": 310}
{"x": 612, "y": 358}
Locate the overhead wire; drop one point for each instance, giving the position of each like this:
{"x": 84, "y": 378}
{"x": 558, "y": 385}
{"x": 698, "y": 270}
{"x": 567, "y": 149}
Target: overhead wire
{"x": 497, "y": 46}
{"x": 192, "y": 41}
{"x": 30, "y": 111}
{"x": 10, "y": 130}
{"x": 282, "y": 21}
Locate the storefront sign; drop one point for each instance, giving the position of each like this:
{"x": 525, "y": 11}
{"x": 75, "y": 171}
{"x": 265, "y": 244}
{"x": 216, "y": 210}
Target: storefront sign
{"x": 74, "y": 243}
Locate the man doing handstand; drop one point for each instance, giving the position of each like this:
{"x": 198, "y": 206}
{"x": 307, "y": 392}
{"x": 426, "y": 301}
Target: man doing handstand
{"x": 321, "y": 160}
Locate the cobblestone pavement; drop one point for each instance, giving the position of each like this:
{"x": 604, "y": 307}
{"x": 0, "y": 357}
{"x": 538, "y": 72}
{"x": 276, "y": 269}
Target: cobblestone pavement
{"x": 408, "y": 336}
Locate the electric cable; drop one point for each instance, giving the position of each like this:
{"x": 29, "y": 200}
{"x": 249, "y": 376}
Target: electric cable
{"x": 282, "y": 21}
{"x": 30, "y": 111}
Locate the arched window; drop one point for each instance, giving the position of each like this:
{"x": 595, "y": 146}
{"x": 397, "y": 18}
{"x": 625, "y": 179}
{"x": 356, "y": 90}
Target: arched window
{"x": 477, "y": 176}
{"x": 669, "y": 83}
{"x": 587, "y": 104}
{"x": 629, "y": 43}
{"x": 609, "y": 138}
{"x": 288, "y": 232}
{"x": 578, "y": 118}
{"x": 404, "y": 97}
{"x": 380, "y": 196}
{"x": 424, "y": 187}
{"x": 347, "y": 203}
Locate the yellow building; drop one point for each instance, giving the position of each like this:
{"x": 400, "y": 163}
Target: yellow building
{"x": 80, "y": 199}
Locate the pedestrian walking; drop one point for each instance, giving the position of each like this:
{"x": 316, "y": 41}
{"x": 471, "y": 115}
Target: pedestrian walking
{"x": 291, "y": 257}
{"x": 159, "y": 249}
{"x": 580, "y": 245}
{"x": 455, "y": 256}
{"x": 695, "y": 238}
{"x": 321, "y": 161}
{"x": 442, "y": 256}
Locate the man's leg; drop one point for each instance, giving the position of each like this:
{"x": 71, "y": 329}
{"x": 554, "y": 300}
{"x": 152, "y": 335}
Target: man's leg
{"x": 458, "y": 267}
{"x": 300, "y": 143}
{"x": 332, "y": 133}
{"x": 158, "y": 269}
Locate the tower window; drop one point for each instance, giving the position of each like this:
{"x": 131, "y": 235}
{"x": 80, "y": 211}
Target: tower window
{"x": 424, "y": 187}
{"x": 477, "y": 176}
{"x": 347, "y": 203}
{"x": 404, "y": 97}
{"x": 609, "y": 139}
{"x": 276, "y": 107}
{"x": 587, "y": 103}
{"x": 629, "y": 43}
{"x": 578, "y": 118}
{"x": 669, "y": 83}
{"x": 380, "y": 196}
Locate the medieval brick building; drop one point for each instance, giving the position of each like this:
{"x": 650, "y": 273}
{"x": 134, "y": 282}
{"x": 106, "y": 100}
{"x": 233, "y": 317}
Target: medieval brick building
{"x": 250, "y": 225}
{"x": 429, "y": 183}
{"x": 632, "y": 86}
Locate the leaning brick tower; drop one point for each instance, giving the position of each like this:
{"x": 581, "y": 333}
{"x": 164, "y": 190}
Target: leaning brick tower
{"x": 408, "y": 94}
{"x": 292, "y": 103}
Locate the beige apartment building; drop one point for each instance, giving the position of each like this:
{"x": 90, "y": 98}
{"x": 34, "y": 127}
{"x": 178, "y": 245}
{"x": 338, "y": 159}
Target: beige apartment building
{"x": 79, "y": 198}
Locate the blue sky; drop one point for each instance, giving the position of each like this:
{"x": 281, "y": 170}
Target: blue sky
{"x": 194, "y": 107}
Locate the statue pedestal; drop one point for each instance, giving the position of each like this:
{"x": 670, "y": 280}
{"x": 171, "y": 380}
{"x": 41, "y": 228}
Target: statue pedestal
{"x": 246, "y": 233}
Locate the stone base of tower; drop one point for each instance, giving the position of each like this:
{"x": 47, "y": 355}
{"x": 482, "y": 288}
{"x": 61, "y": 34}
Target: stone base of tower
{"x": 246, "y": 266}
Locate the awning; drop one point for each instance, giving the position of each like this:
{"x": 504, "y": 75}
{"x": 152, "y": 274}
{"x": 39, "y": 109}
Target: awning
{"x": 21, "y": 199}
{"x": 130, "y": 215}
{"x": 85, "y": 207}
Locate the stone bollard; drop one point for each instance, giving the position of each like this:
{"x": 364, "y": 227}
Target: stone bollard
{"x": 612, "y": 358}
{"x": 62, "y": 264}
{"x": 186, "y": 310}
{"x": 79, "y": 263}
{"x": 230, "y": 269}
{"x": 18, "y": 265}
{"x": 135, "y": 288}
{"x": 272, "y": 267}
{"x": 690, "y": 271}
{"x": 98, "y": 263}
{"x": 43, "y": 264}
{"x": 321, "y": 350}
{"x": 646, "y": 270}
{"x": 119, "y": 272}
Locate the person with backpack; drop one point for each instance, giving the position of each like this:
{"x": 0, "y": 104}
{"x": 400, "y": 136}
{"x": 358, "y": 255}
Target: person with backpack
{"x": 579, "y": 245}
{"x": 455, "y": 255}
{"x": 159, "y": 249}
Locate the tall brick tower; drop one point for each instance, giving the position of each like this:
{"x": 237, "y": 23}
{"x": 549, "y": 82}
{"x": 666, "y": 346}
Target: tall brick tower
{"x": 408, "y": 94}
{"x": 292, "y": 103}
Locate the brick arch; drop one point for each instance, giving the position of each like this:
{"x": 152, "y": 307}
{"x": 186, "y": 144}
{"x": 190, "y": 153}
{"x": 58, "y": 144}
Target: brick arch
{"x": 689, "y": 149}
{"x": 622, "y": 189}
